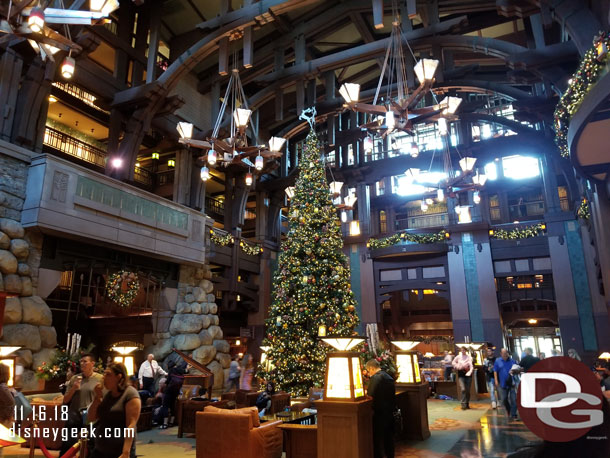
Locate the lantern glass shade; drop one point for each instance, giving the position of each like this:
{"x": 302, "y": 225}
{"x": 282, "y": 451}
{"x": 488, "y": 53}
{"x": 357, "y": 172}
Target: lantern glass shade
{"x": 67, "y": 67}
{"x": 241, "y": 117}
{"x": 128, "y": 362}
{"x": 440, "y": 195}
{"x": 350, "y": 200}
{"x": 343, "y": 379}
{"x": 605, "y": 355}
{"x": 343, "y": 343}
{"x": 276, "y": 143}
{"x": 368, "y": 145}
{"x": 479, "y": 179}
{"x": 449, "y": 105}
{"x": 408, "y": 367}
{"x": 443, "y": 128}
{"x": 424, "y": 206}
{"x": 406, "y": 345}
{"x": 335, "y": 187}
{"x": 124, "y": 350}
{"x": 248, "y": 179}
{"x": 212, "y": 157}
{"x": 425, "y": 69}
{"x": 354, "y": 228}
{"x": 155, "y": 156}
{"x": 290, "y": 192}
{"x": 463, "y": 212}
{"x": 205, "y": 174}
{"x": 390, "y": 122}
{"x": 476, "y": 197}
{"x": 171, "y": 163}
{"x": 344, "y": 216}
{"x": 36, "y": 20}
{"x": 467, "y": 163}
{"x": 414, "y": 150}
{"x": 6, "y": 350}
{"x": 10, "y": 362}
{"x": 258, "y": 162}
{"x": 350, "y": 92}
{"x": 185, "y": 129}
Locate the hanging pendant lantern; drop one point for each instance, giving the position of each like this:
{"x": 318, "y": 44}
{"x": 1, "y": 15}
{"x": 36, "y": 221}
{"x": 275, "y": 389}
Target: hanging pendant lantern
{"x": 36, "y": 20}
{"x": 414, "y": 150}
{"x": 390, "y": 122}
{"x": 368, "y": 144}
{"x": 424, "y": 206}
{"x": 248, "y": 179}
{"x": 258, "y": 162}
{"x": 440, "y": 195}
{"x": 476, "y": 197}
{"x": 212, "y": 157}
{"x": 67, "y": 67}
{"x": 205, "y": 173}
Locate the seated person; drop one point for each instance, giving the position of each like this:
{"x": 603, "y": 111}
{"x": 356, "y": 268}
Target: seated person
{"x": 263, "y": 402}
{"x": 200, "y": 395}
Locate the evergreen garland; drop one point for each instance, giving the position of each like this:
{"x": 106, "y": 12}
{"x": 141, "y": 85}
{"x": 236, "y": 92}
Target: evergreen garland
{"x": 582, "y": 81}
{"x": 518, "y": 232}
{"x": 375, "y": 244}
{"x": 583, "y": 211}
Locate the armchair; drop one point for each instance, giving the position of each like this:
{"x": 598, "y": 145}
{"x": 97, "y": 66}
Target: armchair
{"x": 236, "y": 434}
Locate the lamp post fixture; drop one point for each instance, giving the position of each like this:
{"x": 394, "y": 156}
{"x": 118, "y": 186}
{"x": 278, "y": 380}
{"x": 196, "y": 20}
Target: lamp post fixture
{"x": 343, "y": 378}
{"x": 406, "y": 362}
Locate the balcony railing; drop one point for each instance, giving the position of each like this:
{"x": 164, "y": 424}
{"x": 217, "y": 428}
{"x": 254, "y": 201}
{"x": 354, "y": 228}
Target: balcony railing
{"x": 166, "y": 177}
{"x": 438, "y": 220}
{"x": 74, "y": 147}
{"x": 146, "y": 177}
{"x": 214, "y": 206}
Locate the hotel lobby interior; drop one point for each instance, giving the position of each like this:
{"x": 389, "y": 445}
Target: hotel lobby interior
{"x": 276, "y": 198}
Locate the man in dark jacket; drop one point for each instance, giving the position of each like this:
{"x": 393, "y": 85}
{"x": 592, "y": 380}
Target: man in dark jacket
{"x": 528, "y": 360}
{"x": 382, "y": 389}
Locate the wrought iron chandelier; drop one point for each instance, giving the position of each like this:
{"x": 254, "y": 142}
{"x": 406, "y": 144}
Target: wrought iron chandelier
{"x": 30, "y": 20}
{"x": 235, "y": 149}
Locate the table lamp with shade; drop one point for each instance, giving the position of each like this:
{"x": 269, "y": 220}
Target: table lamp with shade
{"x": 8, "y": 360}
{"x": 406, "y": 362}
{"x": 124, "y": 350}
{"x": 605, "y": 355}
{"x": 343, "y": 378}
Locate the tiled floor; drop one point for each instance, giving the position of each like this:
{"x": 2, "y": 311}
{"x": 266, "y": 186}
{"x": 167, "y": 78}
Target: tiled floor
{"x": 474, "y": 433}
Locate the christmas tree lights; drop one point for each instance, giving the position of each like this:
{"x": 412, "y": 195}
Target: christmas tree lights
{"x": 311, "y": 286}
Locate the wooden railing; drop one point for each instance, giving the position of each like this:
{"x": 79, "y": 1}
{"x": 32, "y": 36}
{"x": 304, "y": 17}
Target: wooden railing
{"x": 74, "y": 147}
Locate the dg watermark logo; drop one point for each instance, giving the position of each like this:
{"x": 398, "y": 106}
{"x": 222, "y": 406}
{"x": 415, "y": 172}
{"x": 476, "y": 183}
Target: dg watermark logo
{"x": 560, "y": 399}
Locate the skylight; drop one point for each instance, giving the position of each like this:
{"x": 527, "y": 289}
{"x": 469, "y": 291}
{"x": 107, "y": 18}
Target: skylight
{"x": 520, "y": 167}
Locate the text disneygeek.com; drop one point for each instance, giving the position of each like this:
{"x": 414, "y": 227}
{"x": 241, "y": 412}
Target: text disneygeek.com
{"x": 71, "y": 433}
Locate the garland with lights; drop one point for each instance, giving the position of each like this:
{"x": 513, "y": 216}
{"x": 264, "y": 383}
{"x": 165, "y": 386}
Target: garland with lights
{"x": 311, "y": 285}
{"x": 375, "y": 244}
{"x": 229, "y": 240}
{"x": 589, "y": 71}
{"x": 222, "y": 240}
{"x": 249, "y": 249}
{"x": 122, "y": 288}
{"x": 518, "y": 232}
{"x": 583, "y": 211}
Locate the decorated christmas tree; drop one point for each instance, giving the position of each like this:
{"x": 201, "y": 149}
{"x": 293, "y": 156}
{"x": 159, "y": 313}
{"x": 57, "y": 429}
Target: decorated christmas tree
{"x": 311, "y": 287}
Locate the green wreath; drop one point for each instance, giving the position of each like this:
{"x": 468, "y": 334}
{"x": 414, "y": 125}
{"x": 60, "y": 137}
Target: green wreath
{"x": 122, "y": 288}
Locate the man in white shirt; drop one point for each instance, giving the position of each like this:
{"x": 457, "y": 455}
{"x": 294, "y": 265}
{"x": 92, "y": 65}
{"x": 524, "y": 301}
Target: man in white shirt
{"x": 148, "y": 371}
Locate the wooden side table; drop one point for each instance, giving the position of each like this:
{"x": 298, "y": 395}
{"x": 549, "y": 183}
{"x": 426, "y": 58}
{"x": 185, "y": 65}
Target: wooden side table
{"x": 413, "y": 405}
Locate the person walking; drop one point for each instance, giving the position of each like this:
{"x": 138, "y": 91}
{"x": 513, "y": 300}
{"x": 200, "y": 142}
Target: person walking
{"x": 149, "y": 370}
{"x": 505, "y": 382}
{"x": 234, "y": 373}
{"x": 462, "y": 363}
{"x": 247, "y": 371}
{"x": 383, "y": 391}
{"x": 528, "y": 360}
{"x": 79, "y": 395}
{"x": 448, "y": 364}
{"x": 489, "y": 377}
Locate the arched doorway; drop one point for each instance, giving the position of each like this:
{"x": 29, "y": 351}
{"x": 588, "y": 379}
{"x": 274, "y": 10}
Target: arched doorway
{"x": 531, "y": 323}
